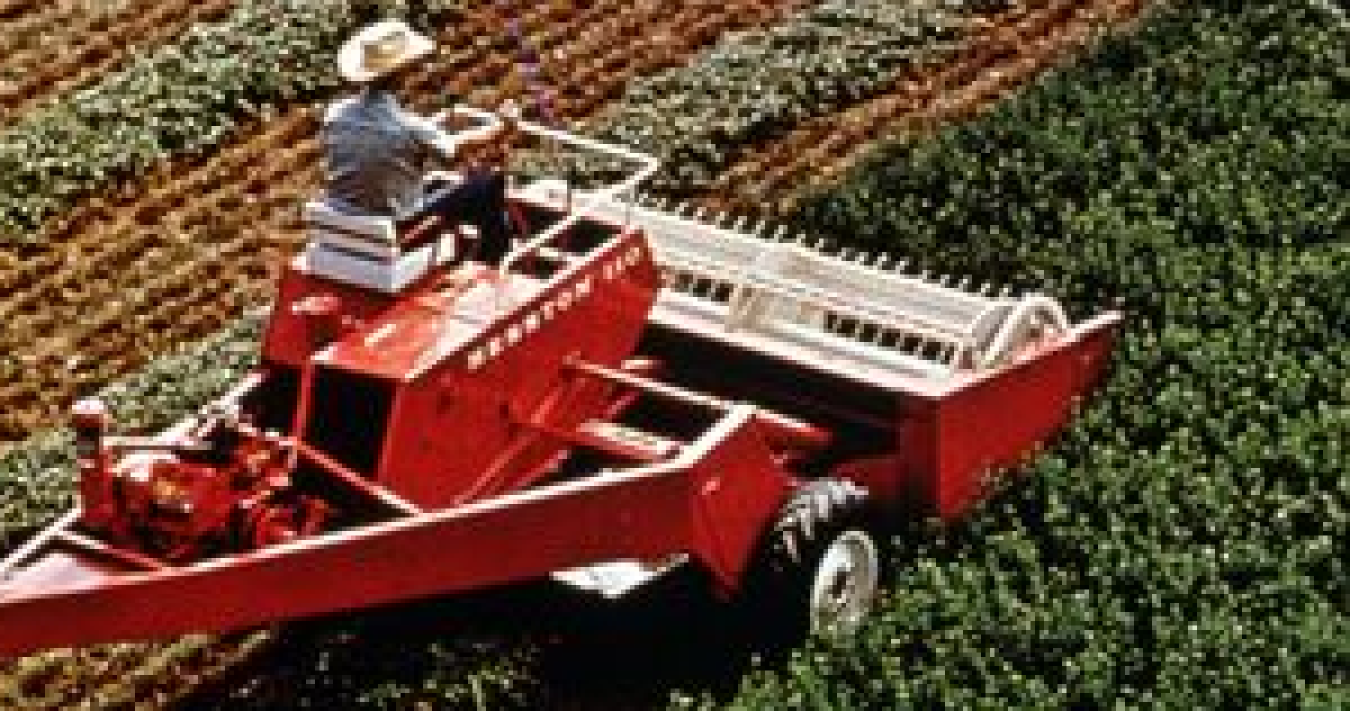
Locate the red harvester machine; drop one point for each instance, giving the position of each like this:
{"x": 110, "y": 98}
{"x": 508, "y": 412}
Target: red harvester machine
{"x": 421, "y": 425}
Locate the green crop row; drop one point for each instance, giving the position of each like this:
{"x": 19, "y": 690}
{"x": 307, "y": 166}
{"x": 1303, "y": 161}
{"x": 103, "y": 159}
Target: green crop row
{"x": 185, "y": 97}
{"x": 758, "y": 84}
{"x": 1184, "y": 544}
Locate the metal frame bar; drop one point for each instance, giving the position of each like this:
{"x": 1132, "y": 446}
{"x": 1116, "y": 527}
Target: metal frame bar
{"x": 100, "y": 548}
{"x": 39, "y": 541}
{"x": 1027, "y": 308}
{"x": 674, "y": 392}
{"x": 813, "y": 296}
{"x": 649, "y": 164}
{"x": 908, "y": 281}
{"x": 374, "y": 491}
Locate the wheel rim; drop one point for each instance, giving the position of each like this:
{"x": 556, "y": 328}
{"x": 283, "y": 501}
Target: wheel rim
{"x": 845, "y": 584}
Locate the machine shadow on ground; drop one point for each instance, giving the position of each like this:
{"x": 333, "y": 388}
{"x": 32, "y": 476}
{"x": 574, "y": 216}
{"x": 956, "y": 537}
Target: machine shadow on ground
{"x": 572, "y": 649}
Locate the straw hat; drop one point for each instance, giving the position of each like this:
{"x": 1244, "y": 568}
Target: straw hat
{"x": 379, "y": 49}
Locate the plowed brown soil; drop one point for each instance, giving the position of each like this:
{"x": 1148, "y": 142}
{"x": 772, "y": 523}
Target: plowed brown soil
{"x": 172, "y": 256}
{"x": 50, "y": 48}
{"x": 1002, "y": 55}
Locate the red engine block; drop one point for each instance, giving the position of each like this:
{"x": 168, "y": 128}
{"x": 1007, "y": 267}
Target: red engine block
{"x": 226, "y": 489}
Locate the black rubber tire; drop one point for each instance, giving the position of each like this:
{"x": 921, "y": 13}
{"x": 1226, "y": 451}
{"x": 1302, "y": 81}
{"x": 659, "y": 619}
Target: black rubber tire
{"x": 777, "y": 596}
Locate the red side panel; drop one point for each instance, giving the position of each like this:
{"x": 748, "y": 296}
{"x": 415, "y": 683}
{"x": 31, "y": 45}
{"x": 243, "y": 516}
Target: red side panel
{"x": 713, "y": 509}
{"x": 436, "y": 553}
{"x": 457, "y": 433}
{"x": 739, "y": 489}
{"x": 59, "y": 567}
{"x": 292, "y": 338}
{"x": 992, "y": 424}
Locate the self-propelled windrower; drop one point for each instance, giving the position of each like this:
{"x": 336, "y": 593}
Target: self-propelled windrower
{"x": 629, "y": 391}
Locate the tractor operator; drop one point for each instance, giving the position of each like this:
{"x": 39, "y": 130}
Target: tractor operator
{"x": 377, "y": 154}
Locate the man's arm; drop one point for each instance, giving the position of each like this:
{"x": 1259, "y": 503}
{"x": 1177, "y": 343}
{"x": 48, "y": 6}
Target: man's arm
{"x": 450, "y": 146}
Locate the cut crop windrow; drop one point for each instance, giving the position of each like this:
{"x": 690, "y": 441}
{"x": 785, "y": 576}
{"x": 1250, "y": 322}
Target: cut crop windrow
{"x": 185, "y": 97}
{"x": 1013, "y": 49}
{"x": 61, "y": 46}
{"x": 756, "y": 85}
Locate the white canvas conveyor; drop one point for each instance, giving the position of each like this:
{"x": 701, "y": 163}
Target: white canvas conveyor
{"x": 827, "y": 312}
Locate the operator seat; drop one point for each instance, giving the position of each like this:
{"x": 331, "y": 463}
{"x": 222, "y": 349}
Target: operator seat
{"x": 375, "y": 252}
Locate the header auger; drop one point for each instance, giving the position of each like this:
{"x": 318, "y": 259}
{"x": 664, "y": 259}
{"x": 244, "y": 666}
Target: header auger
{"x": 631, "y": 390}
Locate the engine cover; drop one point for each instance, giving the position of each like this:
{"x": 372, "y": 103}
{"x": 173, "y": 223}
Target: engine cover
{"x": 230, "y": 492}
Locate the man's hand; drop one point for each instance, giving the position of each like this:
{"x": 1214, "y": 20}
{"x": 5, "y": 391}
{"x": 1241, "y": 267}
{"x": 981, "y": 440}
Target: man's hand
{"x": 509, "y": 112}
{"x": 504, "y": 134}
{"x": 508, "y": 115}
{"x": 487, "y": 145}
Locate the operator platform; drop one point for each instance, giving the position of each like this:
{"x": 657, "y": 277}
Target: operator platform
{"x": 397, "y": 182}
